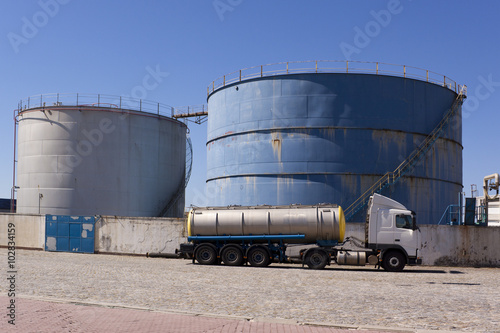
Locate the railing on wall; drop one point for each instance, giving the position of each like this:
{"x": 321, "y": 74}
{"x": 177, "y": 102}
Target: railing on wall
{"x": 332, "y": 66}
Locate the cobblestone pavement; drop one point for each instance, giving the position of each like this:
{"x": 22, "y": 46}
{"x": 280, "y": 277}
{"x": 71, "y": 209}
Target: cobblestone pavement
{"x": 442, "y": 298}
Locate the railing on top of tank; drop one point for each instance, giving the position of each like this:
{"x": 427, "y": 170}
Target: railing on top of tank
{"x": 332, "y": 66}
{"x": 96, "y": 100}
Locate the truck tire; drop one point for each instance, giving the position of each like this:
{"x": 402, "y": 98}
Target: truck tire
{"x": 393, "y": 261}
{"x": 258, "y": 257}
{"x": 232, "y": 255}
{"x": 206, "y": 254}
{"x": 316, "y": 259}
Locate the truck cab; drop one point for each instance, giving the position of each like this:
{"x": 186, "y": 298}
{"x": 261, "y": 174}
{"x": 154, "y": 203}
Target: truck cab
{"x": 392, "y": 229}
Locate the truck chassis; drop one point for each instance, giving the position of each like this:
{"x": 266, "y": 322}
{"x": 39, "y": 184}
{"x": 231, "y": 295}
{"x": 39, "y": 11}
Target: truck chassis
{"x": 262, "y": 250}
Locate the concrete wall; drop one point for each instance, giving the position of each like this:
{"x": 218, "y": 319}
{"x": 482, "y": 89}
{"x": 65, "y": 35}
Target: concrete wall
{"x": 129, "y": 235}
{"x": 464, "y": 246}
{"x": 29, "y": 230}
{"x": 121, "y": 235}
{"x": 441, "y": 245}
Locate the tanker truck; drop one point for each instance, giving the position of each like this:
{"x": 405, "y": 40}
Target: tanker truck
{"x": 260, "y": 235}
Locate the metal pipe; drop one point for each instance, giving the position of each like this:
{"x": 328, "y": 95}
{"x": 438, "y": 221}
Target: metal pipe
{"x": 494, "y": 186}
{"x": 163, "y": 255}
{"x": 14, "y": 166}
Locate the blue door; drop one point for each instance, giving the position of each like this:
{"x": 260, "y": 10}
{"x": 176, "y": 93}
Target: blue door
{"x": 69, "y": 233}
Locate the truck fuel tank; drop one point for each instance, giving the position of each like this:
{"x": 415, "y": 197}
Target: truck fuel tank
{"x": 351, "y": 258}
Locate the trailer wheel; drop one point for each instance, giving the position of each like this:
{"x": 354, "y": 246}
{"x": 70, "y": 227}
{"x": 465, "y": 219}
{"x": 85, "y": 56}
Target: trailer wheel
{"x": 316, "y": 259}
{"x": 393, "y": 261}
{"x": 206, "y": 254}
{"x": 232, "y": 255}
{"x": 258, "y": 257}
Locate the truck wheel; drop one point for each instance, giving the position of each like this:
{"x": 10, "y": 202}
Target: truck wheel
{"x": 316, "y": 259}
{"x": 393, "y": 261}
{"x": 232, "y": 256}
{"x": 258, "y": 257}
{"x": 206, "y": 254}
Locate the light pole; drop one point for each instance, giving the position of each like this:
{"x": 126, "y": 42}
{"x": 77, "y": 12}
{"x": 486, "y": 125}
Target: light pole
{"x": 12, "y": 198}
{"x": 40, "y": 196}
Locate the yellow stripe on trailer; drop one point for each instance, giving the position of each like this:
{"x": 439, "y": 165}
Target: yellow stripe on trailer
{"x": 189, "y": 222}
{"x": 341, "y": 224}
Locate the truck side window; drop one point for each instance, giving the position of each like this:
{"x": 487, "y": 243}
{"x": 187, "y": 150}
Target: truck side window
{"x": 404, "y": 221}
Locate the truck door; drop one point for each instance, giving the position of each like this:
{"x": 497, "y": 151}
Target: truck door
{"x": 406, "y": 233}
{"x": 384, "y": 227}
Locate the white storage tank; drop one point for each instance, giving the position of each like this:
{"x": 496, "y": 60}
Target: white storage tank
{"x": 124, "y": 158}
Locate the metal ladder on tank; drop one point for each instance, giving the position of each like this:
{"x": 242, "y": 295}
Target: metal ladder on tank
{"x": 407, "y": 165}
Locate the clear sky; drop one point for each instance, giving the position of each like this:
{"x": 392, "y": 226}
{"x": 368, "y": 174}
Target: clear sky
{"x": 90, "y": 46}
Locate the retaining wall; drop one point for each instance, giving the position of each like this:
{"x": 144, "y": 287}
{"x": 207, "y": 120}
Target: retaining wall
{"x": 29, "y": 230}
{"x": 441, "y": 244}
{"x": 139, "y": 235}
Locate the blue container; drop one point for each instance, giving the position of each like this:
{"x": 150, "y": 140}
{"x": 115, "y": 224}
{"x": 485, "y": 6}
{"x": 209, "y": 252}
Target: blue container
{"x": 326, "y": 137}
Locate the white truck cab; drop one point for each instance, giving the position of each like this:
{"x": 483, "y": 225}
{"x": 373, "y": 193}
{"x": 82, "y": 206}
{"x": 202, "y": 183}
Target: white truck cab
{"x": 392, "y": 229}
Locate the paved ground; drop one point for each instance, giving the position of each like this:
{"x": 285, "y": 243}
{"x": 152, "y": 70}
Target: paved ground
{"x": 51, "y": 316}
{"x": 148, "y": 292}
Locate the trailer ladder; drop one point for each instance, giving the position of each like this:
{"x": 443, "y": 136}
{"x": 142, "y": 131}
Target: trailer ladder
{"x": 406, "y": 166}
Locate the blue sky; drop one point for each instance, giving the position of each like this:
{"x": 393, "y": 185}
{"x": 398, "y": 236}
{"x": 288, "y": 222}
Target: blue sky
{"x": 70, "y": 46}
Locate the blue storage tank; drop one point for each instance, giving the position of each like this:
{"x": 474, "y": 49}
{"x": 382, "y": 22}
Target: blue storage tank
{"x": 289, "y": 137}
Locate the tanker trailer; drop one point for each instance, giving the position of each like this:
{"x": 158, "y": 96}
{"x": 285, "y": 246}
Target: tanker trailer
{"x": 259, "y": 235}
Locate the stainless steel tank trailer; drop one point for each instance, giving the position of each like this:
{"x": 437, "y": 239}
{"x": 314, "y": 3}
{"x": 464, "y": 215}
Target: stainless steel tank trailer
{"x": 259, "y": 235}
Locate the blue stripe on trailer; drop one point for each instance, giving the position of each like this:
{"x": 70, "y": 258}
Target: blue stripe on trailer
{"x": 250, "y": 237}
